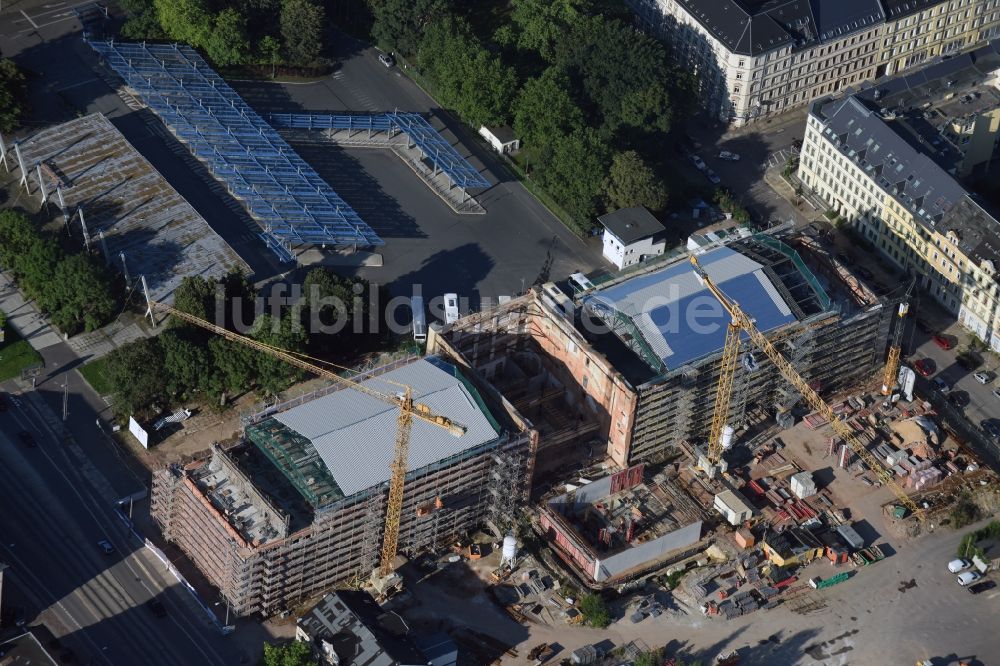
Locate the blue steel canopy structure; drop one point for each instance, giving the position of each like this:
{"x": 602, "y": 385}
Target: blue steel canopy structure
{"x": 280, "y": 190}
{"x": 435, "y": 147}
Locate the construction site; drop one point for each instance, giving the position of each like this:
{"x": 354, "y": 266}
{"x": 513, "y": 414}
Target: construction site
{"x": 633, "y": 365}
{"x": 299, "y": 503}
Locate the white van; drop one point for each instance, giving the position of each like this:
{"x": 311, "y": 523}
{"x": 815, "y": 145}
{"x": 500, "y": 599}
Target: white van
{"x": 418, "y": 318}
{"x": 450, "y": 308}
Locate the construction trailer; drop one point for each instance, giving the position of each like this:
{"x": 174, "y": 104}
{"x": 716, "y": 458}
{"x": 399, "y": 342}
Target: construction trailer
{"x": 634, "y": 371}
{"x": 298, "y": 504}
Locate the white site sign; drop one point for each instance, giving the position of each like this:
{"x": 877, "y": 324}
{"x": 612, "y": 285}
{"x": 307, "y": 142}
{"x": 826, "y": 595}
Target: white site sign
{"x": 138, "y": 432}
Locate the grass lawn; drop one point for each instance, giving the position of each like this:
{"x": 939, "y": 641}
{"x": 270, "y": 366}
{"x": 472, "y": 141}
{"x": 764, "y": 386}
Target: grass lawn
{"x": 93, "y": 372}
{"x": 15, "y": 355}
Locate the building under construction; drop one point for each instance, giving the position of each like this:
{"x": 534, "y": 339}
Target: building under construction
{"x": 299, "y": 503}
{"x": 619, "y": 526}
{"x": 629, "y": 368}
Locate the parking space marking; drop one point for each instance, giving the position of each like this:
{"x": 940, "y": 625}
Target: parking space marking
{"x": 33, "y": 24}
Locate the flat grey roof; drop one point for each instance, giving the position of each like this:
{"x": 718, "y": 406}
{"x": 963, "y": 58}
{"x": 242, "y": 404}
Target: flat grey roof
{"x": 631, "y": 224}
{"x": 162, "y": 235}
{"x": 355, "y": 434}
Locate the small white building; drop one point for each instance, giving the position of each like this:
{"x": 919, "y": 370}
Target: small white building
{"x": 631, "y": 235}
{"x": 733, "y": 508}
{"x": 502, "y": 138}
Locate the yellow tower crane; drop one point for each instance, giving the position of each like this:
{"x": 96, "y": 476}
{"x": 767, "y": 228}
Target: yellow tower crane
{"x": 744, "y": 323}
{"x": 408, "y": 410}
{"x": 895, "y": 351}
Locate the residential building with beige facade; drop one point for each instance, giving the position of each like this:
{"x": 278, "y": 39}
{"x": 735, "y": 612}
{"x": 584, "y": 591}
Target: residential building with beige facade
{"x": 880, "y": 161}
{"x": 757, "y": 58}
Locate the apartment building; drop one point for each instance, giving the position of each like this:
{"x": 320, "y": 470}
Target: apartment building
{"x": 756, "y": 58}
{"x": 881, "y": 162}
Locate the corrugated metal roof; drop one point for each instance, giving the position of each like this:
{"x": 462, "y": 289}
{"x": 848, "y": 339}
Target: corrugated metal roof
{"x": 680, "y": 319}
{"x": 355, "y": 434}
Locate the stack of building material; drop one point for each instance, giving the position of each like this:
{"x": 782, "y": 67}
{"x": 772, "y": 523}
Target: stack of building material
{"x": 895, "y": 457}
{"x": 923, "y": 450}
{"x": 814, "y": 421}
{"x": 803, "y": 485}
{"x": 924, "y": 478}
{"x": 951, "y": 467}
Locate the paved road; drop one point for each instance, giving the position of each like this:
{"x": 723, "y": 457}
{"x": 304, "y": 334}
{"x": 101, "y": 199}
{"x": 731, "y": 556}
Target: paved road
{"x": 760, "y": 147}
{"x": 53, "y": 518}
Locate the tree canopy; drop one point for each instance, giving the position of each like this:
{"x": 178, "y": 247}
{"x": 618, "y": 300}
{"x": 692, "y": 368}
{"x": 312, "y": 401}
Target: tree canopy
{"x": 237, "y": 33}
{"x": 13, "y": 95}
{"x": 296, "y": 653}
{"x": 631, "y": 182}
{"x": 74, "y": 290}
{"x": 400, "y": 24}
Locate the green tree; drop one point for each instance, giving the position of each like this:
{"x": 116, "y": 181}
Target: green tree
{"x": 184, "y": 20}
{"x": 545, "y": 110}
{"x": 649, "y": 108}
{"x": 487, "y": 91}
{"x": 80, "y": 291}
{"x": 141, "y": 21}
{"x": 234, "y": 365}
{"x": 196, "y": 296}
{"x": 610, "y": 62}
{"x": 186, "y": 365}
{"x": 135, "y": 373}
{"x": 631, "y": 182}
{"x": 466, "y": 76}
{"x": 302, "y": 30}
{"x": 400, "y": 24}
{"x": 542, "y": 24}
{"x": 13, "y": 95}
{"x": 273, "y": 374}
{"x": 227, "y": 42}
{"x": 964, "y": 513}
{"x": 595, "y": 611}
{"x": 575, "y": 174}
{"x": 296, "y": 653}
{"x": 270, "y": 50}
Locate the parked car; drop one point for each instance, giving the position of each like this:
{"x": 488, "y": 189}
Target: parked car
{"x": 386, "y": 59}
{"x": 697, "y": 161}
{"x": 712, "y": 177}
{"x": 106, "y": 546}
{"x": 983, "y": 377}
{"x": 942, "y": 342}
{"x": 845, "y": 259}
{"x": 925, "y": 367}
{"x": 982, "y": 587}
{"x": 968, "y": 577}
{"x": 958, "y": 565}
{"x": 27, "y": 439}
{"x": 996, "y": 393}
{"x": 731, "y": 157}
{"x": 941, "y": 384}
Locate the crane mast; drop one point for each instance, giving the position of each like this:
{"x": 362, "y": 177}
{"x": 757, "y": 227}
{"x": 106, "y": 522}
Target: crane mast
{"x": 408, "y": 410}
{"x": 743, "y": 321}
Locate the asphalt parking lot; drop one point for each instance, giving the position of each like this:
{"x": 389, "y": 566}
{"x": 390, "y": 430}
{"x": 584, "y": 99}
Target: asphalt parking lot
{"x": 516, "y": 244}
